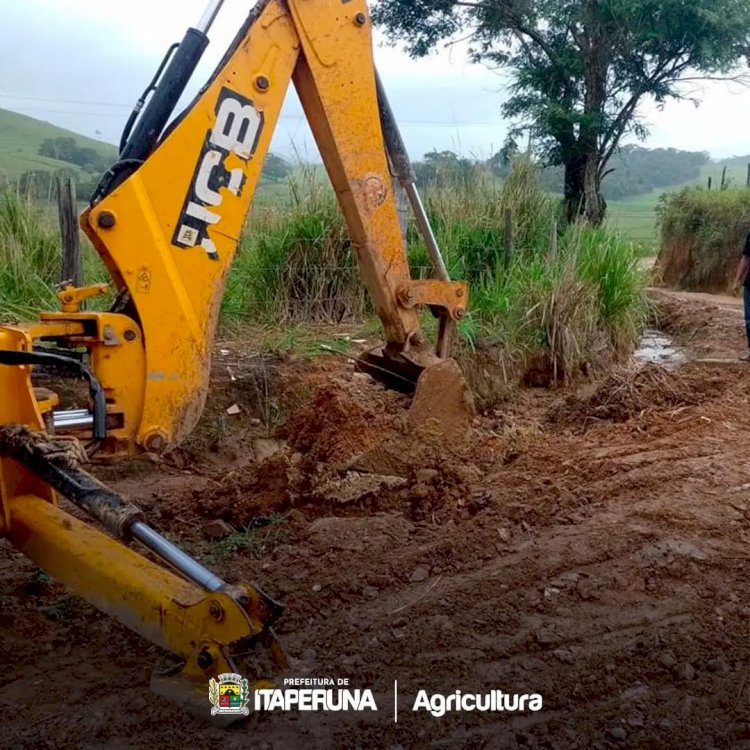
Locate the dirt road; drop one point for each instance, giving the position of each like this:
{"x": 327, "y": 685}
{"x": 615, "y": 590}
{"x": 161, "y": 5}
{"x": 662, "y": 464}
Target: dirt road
{"x": 590, "y": 546}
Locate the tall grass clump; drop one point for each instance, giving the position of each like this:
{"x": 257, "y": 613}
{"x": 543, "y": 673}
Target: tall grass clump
{"x": 702, "y": 235}
{"x": 29, "y": 258}
{"x": 295, "y": 264}
{"x": 578, "y": 306}
{"x": 468, "y": 218}
{"x": 612, "y": 266}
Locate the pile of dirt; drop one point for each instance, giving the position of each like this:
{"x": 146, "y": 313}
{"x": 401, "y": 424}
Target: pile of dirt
{"x": 348, "y": 449}
{"x": 625, "y": 394}
{"x": 709, "y": 325}
{"x": 337, "y": 426}
{"x": 675, "y": 318}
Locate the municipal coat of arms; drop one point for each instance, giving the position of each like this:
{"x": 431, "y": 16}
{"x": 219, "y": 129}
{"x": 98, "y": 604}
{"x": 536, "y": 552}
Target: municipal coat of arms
{"x": 229, "y": 695}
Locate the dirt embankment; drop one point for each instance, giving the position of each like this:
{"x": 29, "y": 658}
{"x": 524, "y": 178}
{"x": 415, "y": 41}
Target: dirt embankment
{"x": 590, "y": 546}
{"x": 702, "y": 235}
{"x": 684, "y": 263}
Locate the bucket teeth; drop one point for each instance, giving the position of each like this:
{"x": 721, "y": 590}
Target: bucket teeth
{"x": 394, "y": 371}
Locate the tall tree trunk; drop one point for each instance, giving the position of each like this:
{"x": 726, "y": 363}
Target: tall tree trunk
{"x": 595, "y": 49}
{"x": 583, "y": 190}
{"x": 575, "y": 169}
{"x": 595, "y": 207}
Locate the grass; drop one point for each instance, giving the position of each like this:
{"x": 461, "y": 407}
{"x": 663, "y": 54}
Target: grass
{"x": 588, "y": 297}
{"x": 30, "y": 258}
{"x": 571, "y": 293}
{"x": 702, "y": 235}
{"x": 20, "y": 138}
{"x": 296, "y": 263}
{"x": 256, "y": 540}
{"x": 578, "y": 308}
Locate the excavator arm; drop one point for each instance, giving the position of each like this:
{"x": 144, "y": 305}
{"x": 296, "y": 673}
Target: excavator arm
{"x": 167, "y": 220}
{"x": 169, "y": 230}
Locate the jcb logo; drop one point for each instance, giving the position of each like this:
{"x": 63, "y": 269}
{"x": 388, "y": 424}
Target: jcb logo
{"x": 237, "y": 131}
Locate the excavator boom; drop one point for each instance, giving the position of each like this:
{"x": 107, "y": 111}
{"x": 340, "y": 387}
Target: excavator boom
{"x": 166, "y": 220}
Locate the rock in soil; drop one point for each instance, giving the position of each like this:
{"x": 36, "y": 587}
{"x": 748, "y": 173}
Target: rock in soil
{"x": 419, "y": 575}
{"x": 263, "y": 449}
{"x": 686, "y": 672}
{"x": 619, "y": 734}
{"x": 218, "y": 529}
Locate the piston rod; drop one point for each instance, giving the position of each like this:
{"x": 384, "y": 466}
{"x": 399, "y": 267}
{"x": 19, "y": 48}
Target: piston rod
{"x": 172, "y": 554}
{"x": 120, "y": 518}
{"x": 405, "y": 174}
{"x": 71, "y": 420}
{"x": 209, "y": 16}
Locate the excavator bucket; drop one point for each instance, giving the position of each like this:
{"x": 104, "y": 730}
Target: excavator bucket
{"x": 440, "y": 413}
{"x": 443, "y": 405}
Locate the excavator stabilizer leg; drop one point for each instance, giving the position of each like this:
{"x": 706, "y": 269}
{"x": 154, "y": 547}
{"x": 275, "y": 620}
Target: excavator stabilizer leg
{"x": 210, "y": 626}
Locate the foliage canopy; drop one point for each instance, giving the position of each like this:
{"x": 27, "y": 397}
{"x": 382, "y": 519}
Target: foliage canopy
{"x": 581, "y": 69}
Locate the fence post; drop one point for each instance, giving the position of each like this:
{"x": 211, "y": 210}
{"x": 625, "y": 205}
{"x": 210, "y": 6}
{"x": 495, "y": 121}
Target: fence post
{"x": 710, "y": 181}
{"x": 724, "y": 179}
{"x": 553, "y": 240}
{"x": 71, "y": 269}
{"x": 508, "y": 254}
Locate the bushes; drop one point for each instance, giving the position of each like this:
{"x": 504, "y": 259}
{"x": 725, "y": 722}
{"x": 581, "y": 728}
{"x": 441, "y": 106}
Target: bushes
{"x": 702, "y": 235}
{"x": 574, "y": 304}
{"x": 29, "y": 258}
{"x": 296, "y": 265}
{"x": 580, "y": 307}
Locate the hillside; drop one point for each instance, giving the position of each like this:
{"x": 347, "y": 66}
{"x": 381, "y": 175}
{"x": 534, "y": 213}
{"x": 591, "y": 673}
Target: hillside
{"x": 21, "y": 136}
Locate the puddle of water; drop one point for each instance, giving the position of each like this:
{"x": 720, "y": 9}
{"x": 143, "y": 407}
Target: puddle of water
{"x": 655, "y": 348}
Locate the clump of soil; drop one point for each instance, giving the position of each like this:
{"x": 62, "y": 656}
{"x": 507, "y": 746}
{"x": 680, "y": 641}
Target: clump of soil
{"x": 626, "y": 394}
{"x": 257, "y": 490}
{"x": 492, "y": 375}
{"x": 336, "y": 427}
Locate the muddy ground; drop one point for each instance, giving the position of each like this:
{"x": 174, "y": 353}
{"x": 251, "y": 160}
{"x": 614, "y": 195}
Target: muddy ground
{"x": 588, "y": 544}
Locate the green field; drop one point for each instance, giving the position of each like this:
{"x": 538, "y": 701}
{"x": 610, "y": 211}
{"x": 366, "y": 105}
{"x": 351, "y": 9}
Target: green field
{"x": 20, "y": 138}
{"x": 635, "y": 217}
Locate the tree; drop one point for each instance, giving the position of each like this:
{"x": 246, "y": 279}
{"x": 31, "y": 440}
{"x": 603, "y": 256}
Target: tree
{"x": 443, "y": 168}
{"x": 581, "y": 69}
{"x": 634, "y": 170}
{"x": 67, "y": 149}
{"x": 61, "y": 149}
{"x": 275, "y": 168}
{"x": 500, "y": 164}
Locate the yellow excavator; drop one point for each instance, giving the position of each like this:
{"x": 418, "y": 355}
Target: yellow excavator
{"x": 166, "y": 220}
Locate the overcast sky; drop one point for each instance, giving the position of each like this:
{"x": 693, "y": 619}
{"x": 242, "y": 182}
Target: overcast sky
{"x": 81, "y": 64}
